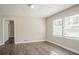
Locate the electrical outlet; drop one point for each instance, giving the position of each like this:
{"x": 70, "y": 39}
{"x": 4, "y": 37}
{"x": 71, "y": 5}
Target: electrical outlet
{"x": 25, "y": 40}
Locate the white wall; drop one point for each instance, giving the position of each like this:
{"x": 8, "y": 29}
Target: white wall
{"x": 29, "y": 29}
{"x": 71, "y": 44}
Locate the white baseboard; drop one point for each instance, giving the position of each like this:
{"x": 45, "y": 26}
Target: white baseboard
{"x": 1, "y": 44}
{"x": 70, "y": 49}
{"x": 29, "y": 41}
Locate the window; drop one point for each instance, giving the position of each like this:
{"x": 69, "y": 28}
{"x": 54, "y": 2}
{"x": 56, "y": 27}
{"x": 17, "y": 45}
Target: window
{"x": 68, "y": 26}
{"x": 71, "y": 26}
{"x": 57, "y": 27}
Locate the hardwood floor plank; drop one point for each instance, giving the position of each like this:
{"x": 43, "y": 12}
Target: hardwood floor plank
{"x": 39, "y": 48}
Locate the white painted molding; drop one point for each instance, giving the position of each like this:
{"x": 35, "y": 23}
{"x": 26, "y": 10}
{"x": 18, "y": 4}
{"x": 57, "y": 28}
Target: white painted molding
{"x": 1, "y": 44}
{"x": 29, "y": 41}
{"x": 70, "y": 49}
{"x": 8, "y": 18}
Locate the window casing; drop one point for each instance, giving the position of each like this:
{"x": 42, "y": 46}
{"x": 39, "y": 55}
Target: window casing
{"x": 68, "y": 26}
{"x": 57, "y": 27}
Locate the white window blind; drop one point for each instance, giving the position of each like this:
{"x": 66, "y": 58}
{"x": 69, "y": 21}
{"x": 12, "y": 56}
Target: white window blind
{"x": 57, "y": 27}
{"x": 68, "y": 26}
{"x": 71, "y": 26}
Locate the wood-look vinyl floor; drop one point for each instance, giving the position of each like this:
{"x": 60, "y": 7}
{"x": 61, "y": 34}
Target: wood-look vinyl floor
{"x": 39, "y": 48}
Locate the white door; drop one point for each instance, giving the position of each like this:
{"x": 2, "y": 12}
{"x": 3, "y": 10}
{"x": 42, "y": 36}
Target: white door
{"x": 5, "y": 32}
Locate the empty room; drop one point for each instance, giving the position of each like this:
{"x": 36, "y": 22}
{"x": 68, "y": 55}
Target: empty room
{"x": 39, "y": 29}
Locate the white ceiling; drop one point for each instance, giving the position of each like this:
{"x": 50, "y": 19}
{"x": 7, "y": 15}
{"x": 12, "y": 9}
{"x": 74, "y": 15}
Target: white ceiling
{"x": 40, "y": 10}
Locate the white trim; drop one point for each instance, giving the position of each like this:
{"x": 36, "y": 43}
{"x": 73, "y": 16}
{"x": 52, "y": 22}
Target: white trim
{"x": 1, "y": 44}
{"x": 7, "y": 18}
{"x": 29, "y": 41}
{"x": 3, "y": 29}
{"x": 73, "y": 50}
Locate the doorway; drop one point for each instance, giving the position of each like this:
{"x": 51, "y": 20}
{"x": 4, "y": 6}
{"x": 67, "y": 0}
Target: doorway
{"x": 9, "y": 32}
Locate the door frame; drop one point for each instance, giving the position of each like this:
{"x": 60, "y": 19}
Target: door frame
{"x": 3, "y": 20}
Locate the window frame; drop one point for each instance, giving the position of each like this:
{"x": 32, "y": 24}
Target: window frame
{"x": 63, "y": 34}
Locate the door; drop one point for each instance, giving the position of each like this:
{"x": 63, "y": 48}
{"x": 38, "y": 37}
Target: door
{"x": 6, "y": 22}
{"x": 8, "y": 30}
